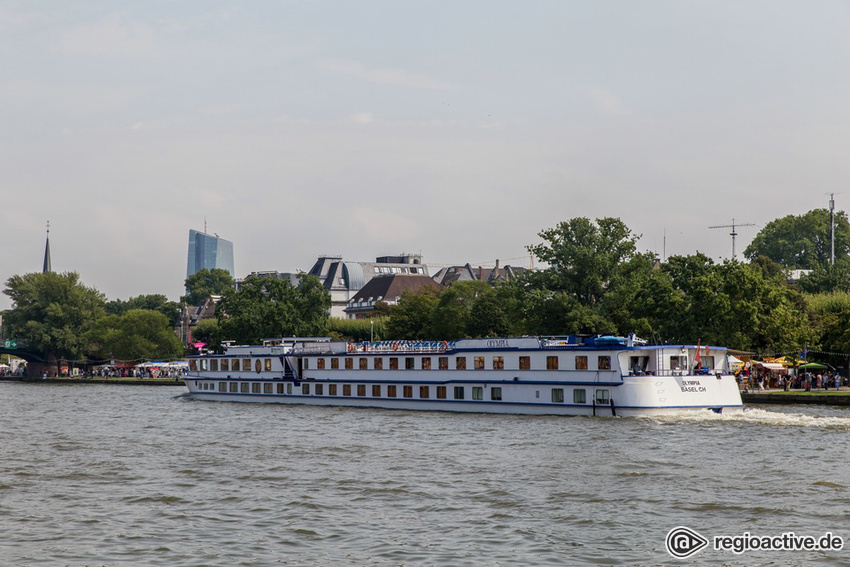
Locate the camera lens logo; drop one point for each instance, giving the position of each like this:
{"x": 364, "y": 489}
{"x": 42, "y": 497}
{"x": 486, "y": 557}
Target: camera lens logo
{"x": 683, "y": 542}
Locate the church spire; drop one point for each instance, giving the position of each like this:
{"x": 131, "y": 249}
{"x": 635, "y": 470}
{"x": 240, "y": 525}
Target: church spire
{"x": 46, "y": 267}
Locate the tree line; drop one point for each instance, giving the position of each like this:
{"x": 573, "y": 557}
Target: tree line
{"x": 596, "y": 281}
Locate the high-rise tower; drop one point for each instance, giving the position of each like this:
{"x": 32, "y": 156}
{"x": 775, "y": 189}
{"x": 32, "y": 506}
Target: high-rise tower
{"x": 208, "y": 251}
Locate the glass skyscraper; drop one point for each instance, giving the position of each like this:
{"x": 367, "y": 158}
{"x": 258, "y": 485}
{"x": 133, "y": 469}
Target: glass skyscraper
{"x": 208, "y": 251}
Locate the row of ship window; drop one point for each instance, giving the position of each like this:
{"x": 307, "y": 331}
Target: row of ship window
{"x": 478, "y": 363}
{"x": 458, "y": 392}
{"x": 228, "y": 364}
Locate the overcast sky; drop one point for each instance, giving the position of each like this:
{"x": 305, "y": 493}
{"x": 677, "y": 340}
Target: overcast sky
{"x": 456, "y": 129}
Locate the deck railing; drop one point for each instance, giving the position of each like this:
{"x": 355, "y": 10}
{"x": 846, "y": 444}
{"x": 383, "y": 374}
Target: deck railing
{"x": 404, "y": 347}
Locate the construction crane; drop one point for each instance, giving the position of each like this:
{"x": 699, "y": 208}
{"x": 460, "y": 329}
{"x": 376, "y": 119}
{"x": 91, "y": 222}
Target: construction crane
{"x": 733, "y": 234}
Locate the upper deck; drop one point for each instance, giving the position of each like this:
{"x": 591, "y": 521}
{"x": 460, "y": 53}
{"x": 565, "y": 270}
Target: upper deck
{"x": 617, "y": 356}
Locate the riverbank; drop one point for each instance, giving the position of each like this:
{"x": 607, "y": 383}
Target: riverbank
{"x": 116, "y": 381}
{"x": 816, "y": 397}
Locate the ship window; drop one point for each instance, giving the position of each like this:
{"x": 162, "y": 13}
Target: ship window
{"x": 558, "y": 395}
{"x": 204, "y": 364}
{"x": 379, "y": 363}
{"x": 243, "y": 387}
{"x": 334, "y": 364}
{"x": 268, "y": 389}
{"x": 346, "y": 389}
{"x": 496, "y": 394}
{"x": 393, "y": 363}
{"x": 443, "y": 362}
{"x": 477, "y": 393}
{"x": 426, "y": 363}
{"x": 306, "y": 363}
{"x": 678, "y": 362}
{"x": 361, "y": 390}
{"x": 268, "y": 364}
{"x": 579, "y": 396}
{"x": 458, "y": 392}
{"x": 637, "y": 364}
{"x": 581, "y": 362}
{"x": 376, "y": 390}
{"x": 408, "y": 391}
{"x": 255, "y": 387}
{"x": 222, "y": 386}
{"x": 258, "y": 365}
{"x": 460, "y": 363}
{"x": 441, "y": 392}
{"x": 193, "y": 364}
{"x": 289, "y": 388}
{"x": 234, "y": 387}
{"x": 225, "y": 364}
{"x": 604, "y": 363}
{"x": 423, "y": 392}
{"x": 478, "y": 363}
{"x": 320, "y": 389}
{"x": 603, "y": 397}
{"x": 246, "y": 364}
{"x": 409, "y": 363}
{"x": 708, "y": 361}
{"x": 391, "y": 391}
{"x": 498, "y": 362}
{"x": 332, "y": 389}
{"x": 305, "y": 389}
{"x": 551, "y": 363}
{"x": 525, "y": 363}
{"x": 320, "y": 363}
{"x": 364, "y": 363}
{"x": 349, "y": 363}
{"x": 280, "y": 388}
{"x": 214, "y": 364}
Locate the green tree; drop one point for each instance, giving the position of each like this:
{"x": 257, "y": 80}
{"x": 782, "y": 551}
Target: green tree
{"x": 154, "y": 302}
{"x": 584, "y": 257}
{"x": 410, "y": 318}
{"x": 801, "y": 241}
{"x": 831, "y": 316}
{"x": 208, "y": 331}
{"x": 51, "y": 312}
{"x": 731, "y": 304}
{"x": 267, "y": 307}
{"x": 138, "y": 334}
{"x": 487, "y": 317}
{"x": 591, "y": 277}
{"x": 827, "y": 278}
{"x": 451, "y": 316}
{"x": 205, "y": 283}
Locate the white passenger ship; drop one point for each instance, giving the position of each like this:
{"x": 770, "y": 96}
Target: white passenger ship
{"x": 528, "y": 375}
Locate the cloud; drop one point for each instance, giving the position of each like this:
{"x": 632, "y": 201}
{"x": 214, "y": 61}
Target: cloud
{"x": 396, "y": 77}
{"x": 376, "y": 225}
{"x": 606, "y": 101}
{"x": 110, "y": 37}
{"x": 362, "y": 118}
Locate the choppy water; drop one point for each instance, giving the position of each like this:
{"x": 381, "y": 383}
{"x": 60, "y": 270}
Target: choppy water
{"x": 107, "y": 475}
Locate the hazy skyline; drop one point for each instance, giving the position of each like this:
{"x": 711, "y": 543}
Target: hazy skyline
{"x": 458, "y": 130}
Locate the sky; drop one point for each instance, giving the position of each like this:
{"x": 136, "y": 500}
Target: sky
{"x": 455, "y": 130}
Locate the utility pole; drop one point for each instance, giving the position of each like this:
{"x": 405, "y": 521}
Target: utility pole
{"x": 832, "y": 229}
{"x": 733, "y": 234}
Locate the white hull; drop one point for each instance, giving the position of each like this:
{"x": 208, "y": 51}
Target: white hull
{"x": 505, "y": 376}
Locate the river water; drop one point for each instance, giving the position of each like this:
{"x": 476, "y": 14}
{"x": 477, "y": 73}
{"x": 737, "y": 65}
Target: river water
{"x": 99, "y": 475}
